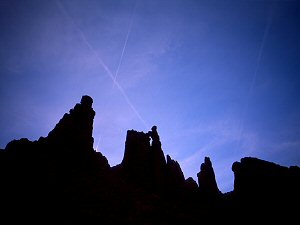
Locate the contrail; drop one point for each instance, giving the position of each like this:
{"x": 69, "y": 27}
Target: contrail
{"x": 97, "y": 144}
{"x": 100, "y": 61}
{"x": 259, "y": 56}
{"x": 125, "y": 43}
{"x": 262, "y": 45}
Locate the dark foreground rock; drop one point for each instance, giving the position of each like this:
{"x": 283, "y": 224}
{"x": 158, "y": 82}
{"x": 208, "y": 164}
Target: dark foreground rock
{"x": 61, "y": 179}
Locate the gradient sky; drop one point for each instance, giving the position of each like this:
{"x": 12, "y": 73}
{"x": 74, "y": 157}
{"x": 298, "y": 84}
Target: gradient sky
{"x": 218, "y": 78}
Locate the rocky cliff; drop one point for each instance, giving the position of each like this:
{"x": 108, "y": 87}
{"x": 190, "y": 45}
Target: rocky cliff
{"x": 62, "y": 179}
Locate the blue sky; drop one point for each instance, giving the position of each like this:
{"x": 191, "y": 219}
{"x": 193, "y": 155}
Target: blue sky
{"x": 218, "y": 78}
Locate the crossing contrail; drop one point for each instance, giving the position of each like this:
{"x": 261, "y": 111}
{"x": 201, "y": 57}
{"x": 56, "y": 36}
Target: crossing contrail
{"x": 258, "y": 61}
{"x": 125, "y": 43}
{"x": 262, "y": 45}
{"x": 101, "y": 62}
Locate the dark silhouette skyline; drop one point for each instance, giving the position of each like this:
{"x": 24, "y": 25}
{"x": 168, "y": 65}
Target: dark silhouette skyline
{"x": 62, "y": 179}
{"x": 218, "y": 78}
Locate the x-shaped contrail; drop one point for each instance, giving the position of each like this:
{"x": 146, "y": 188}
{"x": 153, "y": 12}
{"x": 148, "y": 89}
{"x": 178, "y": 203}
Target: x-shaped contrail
{"x": 101, "y": 62}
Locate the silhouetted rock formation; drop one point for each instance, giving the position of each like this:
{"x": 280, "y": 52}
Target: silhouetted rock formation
{"x": 191, "y": 184}
{"x": 74, "y": 130}
{"x": 271, "y": 191}
{"x": 207, "y": 180}
{"x": 255, "y": 176}
{"x": 144, "y": 163}
{"x": 62, "y": 179}
{"x": 53, "y": 170}
{"x": 174, "y": 174}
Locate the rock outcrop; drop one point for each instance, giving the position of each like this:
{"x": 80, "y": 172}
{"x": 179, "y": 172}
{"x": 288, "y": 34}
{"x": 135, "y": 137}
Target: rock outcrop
{"x": 62, "y": 179}
{"x": 144, "y": 163}
{"x": 256, "y": 177}
{"x": 207, "y": 180}
{"x": 268, "y": 189}
{"x": 191, "y": 185}
{"x": 74, "y": 130}
{"x": 174, "y": 175}
{"x": 56, "y": 170}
